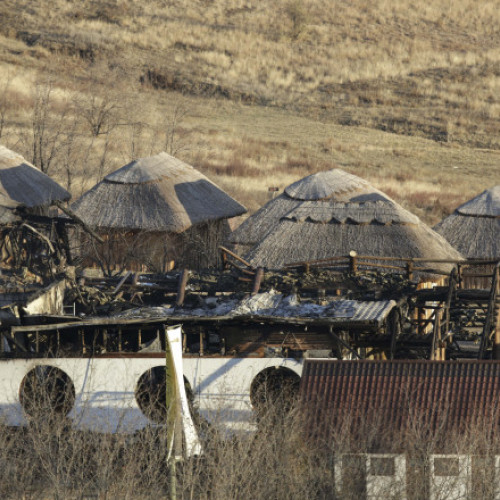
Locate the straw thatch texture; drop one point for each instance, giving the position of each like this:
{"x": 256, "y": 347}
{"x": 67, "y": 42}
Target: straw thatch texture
{"x": 293, "y": 241}
{"x": 159, "y": 193}
{"x": 314, "y": 194}
{"x": 25, "y": 184}
{"x": 329, "y": 184}
{"x": 334, "y": 220}
{"x": 474, "y": 227}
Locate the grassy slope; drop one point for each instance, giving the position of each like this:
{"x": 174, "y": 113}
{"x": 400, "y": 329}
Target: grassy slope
{"x": 263, "y": 93}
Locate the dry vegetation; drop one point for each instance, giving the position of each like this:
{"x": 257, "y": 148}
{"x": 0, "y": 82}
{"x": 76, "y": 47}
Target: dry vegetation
{"x": 258, "y": 94}
{"x": 49, "y": 458}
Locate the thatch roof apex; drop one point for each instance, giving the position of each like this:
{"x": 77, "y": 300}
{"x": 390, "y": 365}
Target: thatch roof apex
{"x": 23, "y": 183}
{"x": 159, "y": 193}
{"x": 474, "y": 227}
{"x": 486, "y": 204}
{"x": 332, "y": 184}
{"x": 153, "y": 168}
{"x": 333, "y": 196}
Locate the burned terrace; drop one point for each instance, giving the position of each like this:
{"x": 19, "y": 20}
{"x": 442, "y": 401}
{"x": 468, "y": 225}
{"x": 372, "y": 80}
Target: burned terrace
{"x": 345, "y": 309}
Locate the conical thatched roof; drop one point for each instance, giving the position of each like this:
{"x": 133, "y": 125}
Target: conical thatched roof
{"x": 331, "y": 213}
{"x": 159, "y": 193}
{"x": 474, "y": 227}
{"x": 23, "y": 183}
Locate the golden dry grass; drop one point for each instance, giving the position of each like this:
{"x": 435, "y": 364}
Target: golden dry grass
{"x": 259, "y": 94}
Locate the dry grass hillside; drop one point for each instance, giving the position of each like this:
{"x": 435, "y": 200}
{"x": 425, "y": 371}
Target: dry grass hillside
{"x": 259, "y": 93}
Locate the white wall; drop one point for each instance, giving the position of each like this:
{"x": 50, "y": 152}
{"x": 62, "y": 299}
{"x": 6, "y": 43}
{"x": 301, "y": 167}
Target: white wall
{"x": 105, "y": 388}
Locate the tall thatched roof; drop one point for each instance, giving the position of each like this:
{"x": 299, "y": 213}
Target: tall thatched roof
{"x": 23, "y": 183}
{"x": 158, "y": 193}
{"x": 474, "y": 227}
{"x": 331, "y": 213}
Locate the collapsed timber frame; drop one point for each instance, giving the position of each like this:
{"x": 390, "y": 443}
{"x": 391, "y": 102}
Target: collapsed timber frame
{"x": 246, "y": 333}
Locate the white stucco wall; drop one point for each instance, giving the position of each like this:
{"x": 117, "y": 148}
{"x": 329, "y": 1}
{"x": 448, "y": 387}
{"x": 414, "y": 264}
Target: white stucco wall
{"x": 105, "y": 389}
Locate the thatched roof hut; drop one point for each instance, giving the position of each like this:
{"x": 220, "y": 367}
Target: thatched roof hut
{"x": 330, "y": 214}
{"x": 159, "y": 193}
{"x": 474, "y": 227}
{"x": 24, "y": 184}
{"x": 162, "y": 195}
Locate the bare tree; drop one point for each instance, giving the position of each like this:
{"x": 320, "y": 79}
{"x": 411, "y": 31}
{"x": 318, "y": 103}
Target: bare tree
{"x": 48, "y": 127}
{"x": 171, "y": 126}
{"x": 4, "y": 103}
{"x": 101, "y": 111}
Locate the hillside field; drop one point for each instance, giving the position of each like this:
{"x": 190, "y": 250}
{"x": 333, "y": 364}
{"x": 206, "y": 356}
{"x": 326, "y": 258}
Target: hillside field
{"x": 257, "y": 94}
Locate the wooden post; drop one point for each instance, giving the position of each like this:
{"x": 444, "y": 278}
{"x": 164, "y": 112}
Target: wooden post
{"x": 490, "y": 312}
{"x": 496, "y": 347}
{"x": 82, "y": 338}
{"x": 436, "y": 337}
{"x": 395, "y": 331}
{"x": 257, "y": 280}
{"x": 353, "y": 262}
{"x": 181, "y": 289}
{"x": 202, "y": 351}
{"x": 409, "y": 270}
{"x": 119, "y": 339}
{"x": 122, "y": 281}
{"x": 420, "y": 321}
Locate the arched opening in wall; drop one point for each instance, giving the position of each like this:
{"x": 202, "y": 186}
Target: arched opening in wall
{"x": 47, "y": 392}
{"x": 151, "y": 394}
{"x": 274, "y": 390}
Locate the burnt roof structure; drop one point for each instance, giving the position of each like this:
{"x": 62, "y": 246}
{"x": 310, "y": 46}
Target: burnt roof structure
{"x": 474, "y": 227}
{"x": 159, "y": 193}
{"x": 330, "y": 214}
{"x": 24, "y": 184}
{"x": 7, "y": 210}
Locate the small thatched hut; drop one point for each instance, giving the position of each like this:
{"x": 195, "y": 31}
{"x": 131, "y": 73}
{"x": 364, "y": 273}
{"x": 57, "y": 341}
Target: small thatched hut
{"x": 474, "y": 227}
{"x": 25, "y": 185}
{"x": 158, "y": 212}
{"x": 330, "y": 214}
{"x": 25, "y": 193}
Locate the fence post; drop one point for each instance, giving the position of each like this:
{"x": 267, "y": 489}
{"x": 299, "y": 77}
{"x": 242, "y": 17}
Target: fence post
{"x": 353, "y": 262}
{"x": 459, "y": 275}
{"x": 409, "y": 270}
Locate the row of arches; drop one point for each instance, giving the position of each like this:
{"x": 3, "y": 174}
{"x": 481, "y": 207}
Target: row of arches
{"x": 48, "y": 391}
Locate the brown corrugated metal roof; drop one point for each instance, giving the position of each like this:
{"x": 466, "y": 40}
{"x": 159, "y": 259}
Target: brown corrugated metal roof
{"x": 444, "y": 394}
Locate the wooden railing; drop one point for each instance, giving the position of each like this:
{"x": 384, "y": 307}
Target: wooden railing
{"x": 408, "y": 266}
{"x": 491, "y": 322}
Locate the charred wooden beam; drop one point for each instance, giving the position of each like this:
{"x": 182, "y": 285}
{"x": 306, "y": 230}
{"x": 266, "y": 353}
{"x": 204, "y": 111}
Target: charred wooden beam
{"x": 259, "y": 275}
{"x": 181, "y": 291}
{"x": 77, "y": 219}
